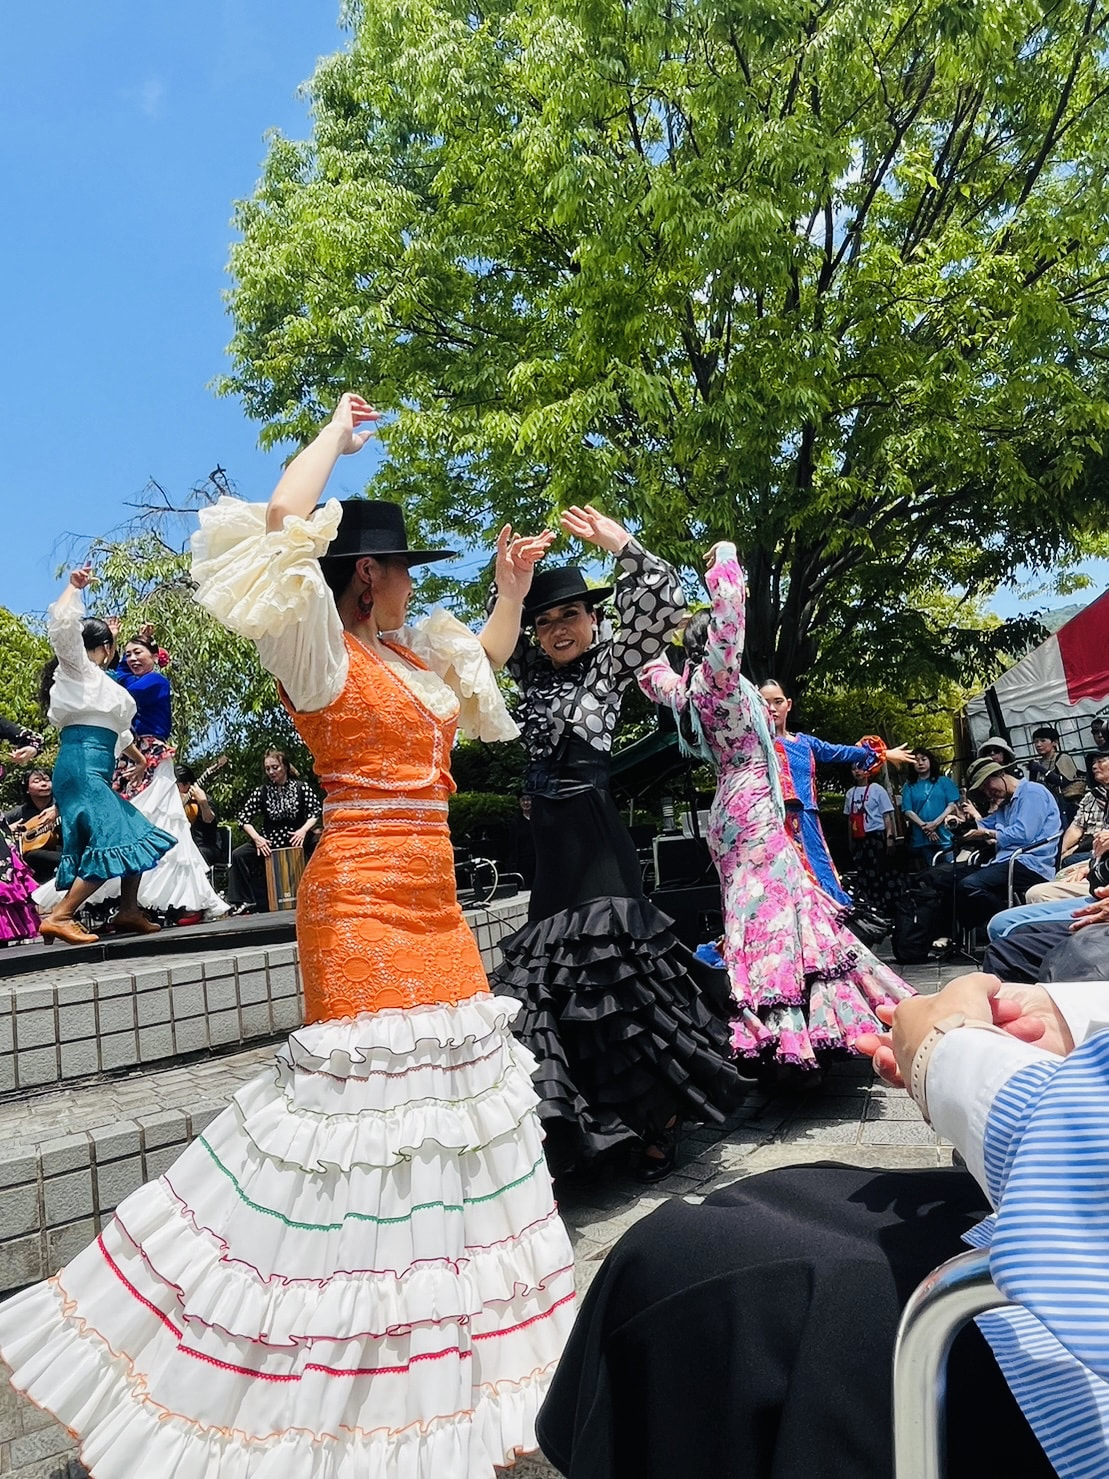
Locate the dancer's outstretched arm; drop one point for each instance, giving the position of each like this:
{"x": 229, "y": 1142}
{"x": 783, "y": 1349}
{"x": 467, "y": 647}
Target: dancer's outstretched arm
{"x": 301, "y": 485}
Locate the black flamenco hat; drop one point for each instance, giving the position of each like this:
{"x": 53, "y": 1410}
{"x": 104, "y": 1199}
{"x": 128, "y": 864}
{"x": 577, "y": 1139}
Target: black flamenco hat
{"x": 558, "y": 587}
{"x": 372, "y": 526}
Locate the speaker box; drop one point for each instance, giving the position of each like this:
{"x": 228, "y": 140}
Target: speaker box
{"x": 696, "y": 912}
{"x": 682, "y": 861}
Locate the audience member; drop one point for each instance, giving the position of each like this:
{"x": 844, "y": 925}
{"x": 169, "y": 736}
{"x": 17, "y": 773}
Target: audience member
{"x": 924, "y": 800}
{"x": 1021, "y": 826}
{"x": 1055, "y": 769}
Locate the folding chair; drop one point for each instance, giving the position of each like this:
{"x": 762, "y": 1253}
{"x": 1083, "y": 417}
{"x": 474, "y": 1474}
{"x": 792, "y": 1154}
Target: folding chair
{"x": 937, "y": 1310}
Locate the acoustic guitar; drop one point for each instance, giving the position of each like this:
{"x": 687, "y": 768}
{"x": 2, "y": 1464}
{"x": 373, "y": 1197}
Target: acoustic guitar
{"x": 39, "y": 832}
{"x": 192, "y": 808}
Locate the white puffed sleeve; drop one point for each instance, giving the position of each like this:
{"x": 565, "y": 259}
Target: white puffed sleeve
{"x": 64, "y": 621}
{"x": 453, "y": 652}
{"x": 268, "y": 587}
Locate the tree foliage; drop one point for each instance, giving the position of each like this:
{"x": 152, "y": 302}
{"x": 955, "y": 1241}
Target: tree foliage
{"x": 827, "y": 275}
{"x": 224, "y": 702}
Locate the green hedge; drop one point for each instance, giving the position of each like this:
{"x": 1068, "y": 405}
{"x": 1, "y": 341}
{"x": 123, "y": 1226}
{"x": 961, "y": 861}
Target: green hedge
{"x": 473, "y": 809}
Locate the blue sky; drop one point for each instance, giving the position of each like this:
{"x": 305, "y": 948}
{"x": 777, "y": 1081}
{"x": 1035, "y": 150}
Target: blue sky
{"x": 127, "y": 131}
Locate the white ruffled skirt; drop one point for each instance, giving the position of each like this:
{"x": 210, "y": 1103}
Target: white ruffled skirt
{"x": 180, "y": 880}
{"x": 357, "y": 1271}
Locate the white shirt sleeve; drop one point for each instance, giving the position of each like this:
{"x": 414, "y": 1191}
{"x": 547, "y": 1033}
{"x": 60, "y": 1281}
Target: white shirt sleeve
{"x": 268, "y": 587}
{"x": 453, "y": 652}
{"x": 968, "y": 1069}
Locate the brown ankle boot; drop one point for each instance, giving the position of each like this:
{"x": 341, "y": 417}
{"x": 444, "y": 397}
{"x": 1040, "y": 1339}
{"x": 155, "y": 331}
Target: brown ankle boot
{"x": 135, "y": 923}
{"x": 65, "y": 929}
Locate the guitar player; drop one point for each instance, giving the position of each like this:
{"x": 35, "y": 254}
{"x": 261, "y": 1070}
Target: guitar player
{"x": 34, "y": 823}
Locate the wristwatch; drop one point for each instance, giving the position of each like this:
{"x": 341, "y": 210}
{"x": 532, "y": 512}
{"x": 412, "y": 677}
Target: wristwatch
{"x": 919, "y": 1071}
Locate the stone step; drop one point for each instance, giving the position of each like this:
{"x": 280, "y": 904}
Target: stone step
{"x": 61, "y": 1025}
{"x": 64, "y": 1026}
{"x": 68, "y": 1157}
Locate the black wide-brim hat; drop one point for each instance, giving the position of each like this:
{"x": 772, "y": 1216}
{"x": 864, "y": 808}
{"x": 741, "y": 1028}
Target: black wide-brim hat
{"x": 372, "y": 526}
{"x": 558, "y": 587}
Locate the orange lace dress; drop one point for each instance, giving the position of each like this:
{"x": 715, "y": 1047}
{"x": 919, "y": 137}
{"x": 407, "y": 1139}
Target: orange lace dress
{"x": 357, "y": 1271}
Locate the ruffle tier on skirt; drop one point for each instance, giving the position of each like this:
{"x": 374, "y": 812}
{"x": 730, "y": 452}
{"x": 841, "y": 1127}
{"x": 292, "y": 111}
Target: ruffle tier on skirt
{"x": 617, "y": 1013}
{"x": 356, "y": 1271}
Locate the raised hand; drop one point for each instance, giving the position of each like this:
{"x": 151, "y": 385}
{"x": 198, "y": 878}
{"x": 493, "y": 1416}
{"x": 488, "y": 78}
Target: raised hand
{"x": 595, "y": 528}
{"x": 113, "y": 623}
{"x": 351, "y": 413}
{"x": 713, "y": 553}
{"x": 517, "y": 555}
{"x": 80, "y": 578}
{"x": 899, "y": 755}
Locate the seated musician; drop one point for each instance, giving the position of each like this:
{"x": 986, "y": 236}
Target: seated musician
{"x": 287, "y": 811}
{"x": 35, "y": 824}
{"x": 202, "y": 815}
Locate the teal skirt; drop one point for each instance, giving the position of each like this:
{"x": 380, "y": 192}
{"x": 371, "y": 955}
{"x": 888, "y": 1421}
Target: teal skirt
{"x": 103, "y": 836}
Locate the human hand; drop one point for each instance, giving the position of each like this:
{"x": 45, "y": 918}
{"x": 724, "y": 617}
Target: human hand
{"x": 146, "y": 631}
{"x": 263, "y": 847}
{"x": 712, "y": 554}
{"x": 80, "y": 578}
{"x": 351, "y": 413}
{"x": 899, "y": 755}
{"x": 24, "y": 755}
{"x": 138, "y": 769}
{"x": 297, "y": 839}
{"x": 517, "y": 555}
{"x": 1101, "y": 843}
{"x": 113, "y": 623}
{"x": 1075, "y": 873}
{"x": 1026, "y": 1013}
{"x": 1096, "y": 912}
{"x": 586, "y": 523}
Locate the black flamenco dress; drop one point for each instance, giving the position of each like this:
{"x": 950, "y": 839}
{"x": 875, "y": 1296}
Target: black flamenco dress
{"x": 620, "y": 1016}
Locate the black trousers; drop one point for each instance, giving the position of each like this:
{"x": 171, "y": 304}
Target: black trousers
{"x": 978, "y": 893}
{"x": 752, "y": 1337}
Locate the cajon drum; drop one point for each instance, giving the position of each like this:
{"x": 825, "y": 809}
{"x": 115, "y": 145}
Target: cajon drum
{"x": 284, "y": 868}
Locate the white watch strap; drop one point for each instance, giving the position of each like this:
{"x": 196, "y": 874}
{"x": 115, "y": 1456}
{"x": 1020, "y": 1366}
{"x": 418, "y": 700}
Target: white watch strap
{"x": 918, "y": 1074}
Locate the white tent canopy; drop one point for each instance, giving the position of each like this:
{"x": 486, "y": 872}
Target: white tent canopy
{"x": 1063, "y": 682}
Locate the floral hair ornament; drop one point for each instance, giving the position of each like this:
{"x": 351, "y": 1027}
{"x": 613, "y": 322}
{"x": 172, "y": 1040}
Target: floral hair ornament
{"x": 878, "y": 745}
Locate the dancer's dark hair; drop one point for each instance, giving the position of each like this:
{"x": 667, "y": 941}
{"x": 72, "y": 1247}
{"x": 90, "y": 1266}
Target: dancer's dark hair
{"x": 150, "y": 645}
{"x": 694, "y": 640}
{"x": 94, "y": 633}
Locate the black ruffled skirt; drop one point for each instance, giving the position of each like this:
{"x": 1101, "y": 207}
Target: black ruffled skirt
{"x": 628, "y": 1028}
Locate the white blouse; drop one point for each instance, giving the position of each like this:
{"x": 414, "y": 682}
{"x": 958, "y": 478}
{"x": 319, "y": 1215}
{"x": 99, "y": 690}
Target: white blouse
{"x": 268, "y": 586}
{"x": 81, "y": 692}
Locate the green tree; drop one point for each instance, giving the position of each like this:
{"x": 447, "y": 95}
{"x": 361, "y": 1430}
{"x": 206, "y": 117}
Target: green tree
{"x": 224, "y": 702}
{"x": 25, "y": 650}
{"x": 829, "y": 275}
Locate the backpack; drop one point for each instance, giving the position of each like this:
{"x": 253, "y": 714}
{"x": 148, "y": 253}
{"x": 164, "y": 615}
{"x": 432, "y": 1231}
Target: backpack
{"x": 916, "y": 923}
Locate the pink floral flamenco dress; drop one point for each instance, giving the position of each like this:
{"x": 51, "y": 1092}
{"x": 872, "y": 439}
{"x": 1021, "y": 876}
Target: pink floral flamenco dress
{"x": 804, "y": 987}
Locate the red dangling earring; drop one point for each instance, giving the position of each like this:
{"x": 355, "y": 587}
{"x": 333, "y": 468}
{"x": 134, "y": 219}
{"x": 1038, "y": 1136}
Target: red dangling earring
{"x": 365, "y": 603}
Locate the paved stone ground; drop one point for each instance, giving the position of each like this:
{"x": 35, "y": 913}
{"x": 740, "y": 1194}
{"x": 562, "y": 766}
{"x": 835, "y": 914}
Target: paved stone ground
{"x": 848, "y": 1117}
